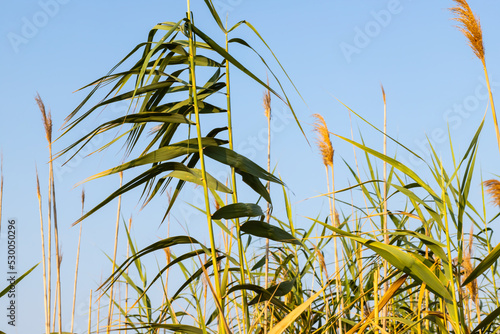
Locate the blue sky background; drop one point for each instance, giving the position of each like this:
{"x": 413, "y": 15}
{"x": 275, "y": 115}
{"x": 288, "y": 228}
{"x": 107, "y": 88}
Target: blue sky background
{"x": 342, "y": 49}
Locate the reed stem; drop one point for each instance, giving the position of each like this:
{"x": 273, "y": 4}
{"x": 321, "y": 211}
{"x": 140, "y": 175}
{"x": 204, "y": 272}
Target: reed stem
{"x": 194, "y": 98}
{"x": 384, "y": 216}
{"x": 117, "y": 227}
{"x": 44, "y": 264}
{"x": 76, "y": 265}
{"x": 241, "y": 252}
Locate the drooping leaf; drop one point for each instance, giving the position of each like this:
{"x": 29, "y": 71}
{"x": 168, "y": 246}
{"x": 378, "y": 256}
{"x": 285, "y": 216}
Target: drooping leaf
{"x": 487, "y": 321}
{"x": 277, "y": 290}
{"x": 238, "y": 210}
{"x": 256, "y": 185}
{"x": 195, "y": 176}
{"x": 265, "y": 230}
{"x": 160, "y": 155}
{"x": 403, "y": 261}
{"x": 239, "y": 162}
{"x": 176, "y": 328}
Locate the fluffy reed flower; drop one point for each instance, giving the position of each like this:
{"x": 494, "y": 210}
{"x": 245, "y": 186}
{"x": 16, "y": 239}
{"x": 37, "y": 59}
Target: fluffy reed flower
{"x": 83, "y": 199}
{"x": 324, "y": 143}
{"x": 383, "y": 93}
{"x": 267, "y": 104}
{"x": 470, "y": 26}
{"x": 46, "y": 117}
{"x": 322, "y": 262}
{"x": 493, "y": 189}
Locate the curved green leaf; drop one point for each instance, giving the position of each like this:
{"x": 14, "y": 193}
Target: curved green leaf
{"x": 195, "y": 176}
{"x": 403, "y": 261}
{"x": 238, "y": 210}
{"x": 239, "y": 162}
{"x": 265, "y": 230}
{"x": 277, "y": 290}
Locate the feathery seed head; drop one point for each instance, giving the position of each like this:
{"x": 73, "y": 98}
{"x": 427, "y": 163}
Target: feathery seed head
{"x": 383, "y": 93}
{"x": 322, "y": 261}
{"x": 493, "y": 189}
{"x": 470, "y": 26}
{"x": 324, "y": 143}
{"x": 83, "y": 200}
{"x": 38, "y": 186}
{"x": 46, "y": 117}
{"x": 267, "y": 104}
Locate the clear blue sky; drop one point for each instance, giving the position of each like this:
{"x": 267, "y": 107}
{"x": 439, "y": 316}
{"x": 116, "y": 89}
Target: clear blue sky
{"x": 337, "y": 48}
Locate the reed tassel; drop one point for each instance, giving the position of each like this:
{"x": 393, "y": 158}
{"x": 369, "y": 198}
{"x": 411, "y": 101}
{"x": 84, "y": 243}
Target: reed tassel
{"x": 327, "y": 152}
{"x": 470, "y": 26}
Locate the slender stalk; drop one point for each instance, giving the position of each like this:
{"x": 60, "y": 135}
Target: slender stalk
{"x": 375, "y": 298}
{"x": 44, "y": 264}
{"x": 331, "y": 201}
{"x": 89, "y": 326}
{"x": 58, "y": 254}
{"x": 448, "y": 244}
{"x": 384, "y": 216}
{"x": 98, "y": 325}
{"x": 492, "y": 103}
{"x": 194, "y": 98}
{"x": 54, "y": 313}
{"x": 241, "y": 253}
{"x": 47, "y": 123}
{"x": 76, "y": 265}
{"x": 117, "y": 228}
{"x": 128, "y": 255}
{"x": 1, "y": 189}
{"x": 360, "y": 261}
{"x": 267, "y": 110}
{"x": 337, "y": 267}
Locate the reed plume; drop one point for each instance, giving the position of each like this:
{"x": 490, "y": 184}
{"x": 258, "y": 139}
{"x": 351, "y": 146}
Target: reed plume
{"x": 267, "y": 103}
{"x": 46, "y": 118}
{"x": 323, "y": 142}
{"x": 493, "y": 189}
{"x": 52, "y": 214}
{"x": 469, "y": 25}
{"x": 325, "y": 146}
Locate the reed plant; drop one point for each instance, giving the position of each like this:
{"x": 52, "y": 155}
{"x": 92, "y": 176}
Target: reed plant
{"x": 391, "y": 255}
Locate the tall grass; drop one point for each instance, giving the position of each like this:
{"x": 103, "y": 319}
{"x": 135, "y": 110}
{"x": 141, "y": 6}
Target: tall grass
{"x": 52, "y": 219}
{"x": 389, "y": 256}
